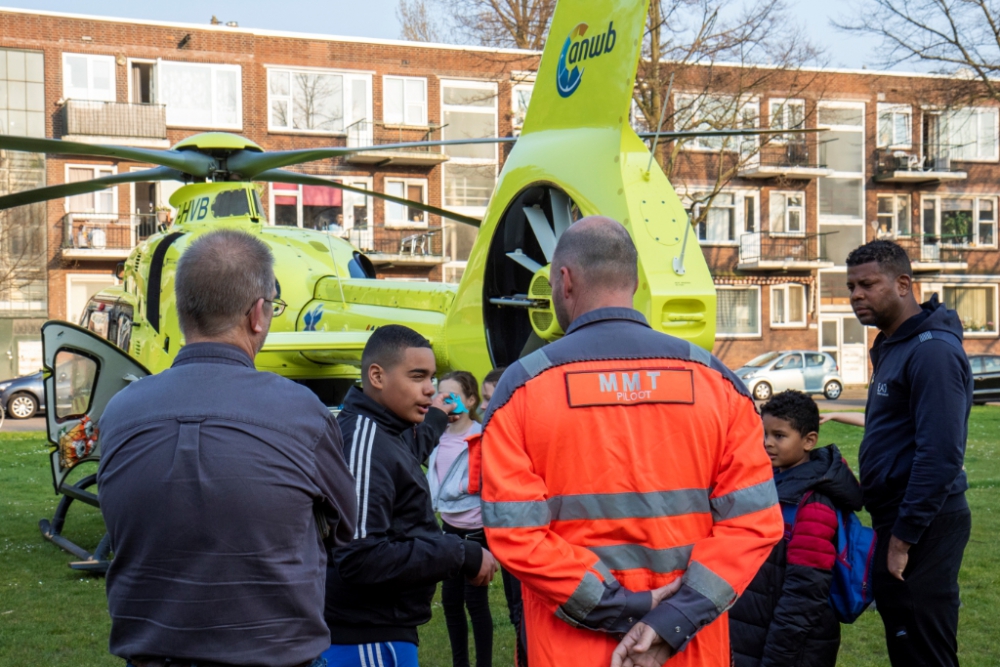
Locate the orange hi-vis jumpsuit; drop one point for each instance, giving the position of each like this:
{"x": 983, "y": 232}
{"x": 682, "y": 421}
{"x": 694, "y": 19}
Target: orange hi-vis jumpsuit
{"x": 615, "y": 460}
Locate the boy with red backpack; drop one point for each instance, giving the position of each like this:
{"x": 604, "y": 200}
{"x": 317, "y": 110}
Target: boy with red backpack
{"x": 785, "y": 618}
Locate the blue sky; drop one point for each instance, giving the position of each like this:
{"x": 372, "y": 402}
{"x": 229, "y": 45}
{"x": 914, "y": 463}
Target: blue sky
{"x": 377, "y": 18}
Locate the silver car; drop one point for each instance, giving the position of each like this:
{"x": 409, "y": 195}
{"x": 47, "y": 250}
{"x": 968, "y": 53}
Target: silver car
{"x": 805, "y": 370}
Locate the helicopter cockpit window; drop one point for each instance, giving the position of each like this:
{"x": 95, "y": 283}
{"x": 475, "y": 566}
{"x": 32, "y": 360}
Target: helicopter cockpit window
{"x": 361, "y": 266}
{"x": 231, "y": 203}
{"x": 76, "y": 375}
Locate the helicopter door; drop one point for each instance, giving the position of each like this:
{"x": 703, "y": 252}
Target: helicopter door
{"x": 83, "y": 372}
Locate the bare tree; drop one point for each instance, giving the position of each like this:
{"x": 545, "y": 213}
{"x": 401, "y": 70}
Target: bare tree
{"x": 416, "y": 22}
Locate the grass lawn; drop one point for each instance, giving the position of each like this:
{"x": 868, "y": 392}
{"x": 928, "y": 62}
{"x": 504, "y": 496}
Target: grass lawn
{"x": 56, "y": 617}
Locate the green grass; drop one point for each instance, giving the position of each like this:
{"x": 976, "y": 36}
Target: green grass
{"x": 51, "y": 615}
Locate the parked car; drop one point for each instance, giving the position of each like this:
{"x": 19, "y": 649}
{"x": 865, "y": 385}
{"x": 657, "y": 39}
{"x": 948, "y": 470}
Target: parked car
{"x": 986, "y": 376}
{"x": 805, "y": 370}
{"x": 23, "y": 397}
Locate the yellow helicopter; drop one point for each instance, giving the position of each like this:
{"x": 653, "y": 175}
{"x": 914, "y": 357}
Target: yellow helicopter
{"x": 577, "y": 156}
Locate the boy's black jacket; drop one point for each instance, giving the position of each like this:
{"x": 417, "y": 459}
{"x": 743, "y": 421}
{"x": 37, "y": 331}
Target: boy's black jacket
{"x": 379, "y": 586}
{"x": 784, "y": 618}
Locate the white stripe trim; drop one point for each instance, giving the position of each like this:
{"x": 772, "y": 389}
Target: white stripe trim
{"x": 361, "y": 655}
{"x": 371, "y": 658}
{"x": 355, "y": 468}
{"x": 392, "y": 650}
{"x": 368, "y": 468}
{"x": 378, "y": 654}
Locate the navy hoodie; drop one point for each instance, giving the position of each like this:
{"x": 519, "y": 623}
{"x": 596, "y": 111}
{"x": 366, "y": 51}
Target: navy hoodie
{"x": 916, "y": 423}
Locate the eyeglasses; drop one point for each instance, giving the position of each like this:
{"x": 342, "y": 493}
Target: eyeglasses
{"x": 278, "y": 306}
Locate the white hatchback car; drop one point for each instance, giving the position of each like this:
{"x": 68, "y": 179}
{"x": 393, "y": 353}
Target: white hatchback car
{"x": 805, "y": 370}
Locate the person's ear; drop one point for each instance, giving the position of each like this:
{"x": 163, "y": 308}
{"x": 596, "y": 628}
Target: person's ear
{"x": 809, "y": 441}
{"x": 566, "y": 282}
{"x": 904, "y": 285}
{"x": 376, "y": 377}
{"x": 258, "y": 323}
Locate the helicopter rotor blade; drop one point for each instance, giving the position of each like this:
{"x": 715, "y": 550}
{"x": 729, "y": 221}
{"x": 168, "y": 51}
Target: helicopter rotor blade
{"x": 282, "y": 176}
{"x": 543, "y": 233}
{"x": 561, "y": 215}
{"x": 251, "y": 164}
{"x": 93, "y": 185}
{"x": 188, "y": 162}
{"x": 525, "y": 261}
{"x": 746, "y": 132}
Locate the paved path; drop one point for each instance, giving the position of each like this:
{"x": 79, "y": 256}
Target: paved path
{"x": 33, "y": 424}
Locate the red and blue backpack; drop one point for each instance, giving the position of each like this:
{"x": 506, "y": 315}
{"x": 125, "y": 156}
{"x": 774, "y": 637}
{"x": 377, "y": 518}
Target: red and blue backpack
{"x": 851, "y": 587}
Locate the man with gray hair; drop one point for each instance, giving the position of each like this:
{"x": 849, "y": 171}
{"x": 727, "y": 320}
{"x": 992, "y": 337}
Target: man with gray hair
{"x": 221, "y": 487}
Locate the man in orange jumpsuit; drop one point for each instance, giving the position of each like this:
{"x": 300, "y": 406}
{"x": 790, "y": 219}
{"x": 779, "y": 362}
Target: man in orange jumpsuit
{"x": 622, "y": 467}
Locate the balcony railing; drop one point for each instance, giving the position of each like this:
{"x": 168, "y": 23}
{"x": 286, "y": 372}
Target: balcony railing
{"x": 775, "y": 250}
{"x": 399, "y": 246}
{"x": 902, "y": 166}
{"x": 105, "y": 236}
{"x": 783, "y": 159}
{"x": 936, "y": 249}
{"x": 115, "y": 119}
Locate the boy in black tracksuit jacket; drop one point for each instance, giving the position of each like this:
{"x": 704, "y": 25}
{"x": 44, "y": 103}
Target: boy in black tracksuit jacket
{"x": 380, "y": 585}
{"x": 784, "y": 618}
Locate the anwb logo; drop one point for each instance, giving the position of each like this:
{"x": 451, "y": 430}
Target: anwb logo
{"x": 577, "y": 50}
{"x": 882, "y": 389}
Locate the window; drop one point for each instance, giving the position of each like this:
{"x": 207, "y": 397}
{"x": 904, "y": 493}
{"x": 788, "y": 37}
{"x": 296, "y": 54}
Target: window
{"x": 960, "y": 220}
{"x": 842, "y": 194}
{"x": 22, "y": 106}
{"x": 966, "y": 134}
{"x": 715, "y": 112}
{"x": 895, "y": 123}
{"x": 788, "y": 305}
{"x": 317, "y": 207}
{"x": 789, "y": 363}
{"x": 894, "y": 215}
{"x": 102, "y": 202}
{"x": 787, "y": 115}
{"x": 316, "y": 101}
{"x": 201, "y": 95}
{"x": 87, "y": 77}
{"x": 520, "y": 98}
{"x": 788, "y": 213}
{"x": 729, "y": 215}
{"x": 976, "y": 307}
{"x": 400, "y": 215}
{"x": 404, "y": 101}
{"x": 738, "y": 311}
{"x": 469, "y": 111}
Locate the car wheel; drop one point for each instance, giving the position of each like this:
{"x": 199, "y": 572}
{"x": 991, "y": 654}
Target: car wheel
{"x": 762, "y": 391}
{"x": 832, "y": 390}
{"x": 22, "y": 406}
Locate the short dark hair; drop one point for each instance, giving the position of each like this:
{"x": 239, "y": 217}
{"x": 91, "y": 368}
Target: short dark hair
{"x": 604, "y": 253}
{"x": 892, "y": 260}
{"x": 796, "y": 408}
{"x": 387, "y": 345}
{"x": 493, "y": 377}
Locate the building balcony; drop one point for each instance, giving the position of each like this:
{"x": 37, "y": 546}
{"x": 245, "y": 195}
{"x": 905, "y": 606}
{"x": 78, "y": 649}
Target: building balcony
{"x": 399, "y": 247}
{"x": 901, "y": 166}
{"x": 104, "y": 236}
{"x": 768, "y": 251}
{"x": 377, "y": 133}
{"x": 785, "y": 160}
{"x": 932, "y": 253}
{"x": 115, "y": 122}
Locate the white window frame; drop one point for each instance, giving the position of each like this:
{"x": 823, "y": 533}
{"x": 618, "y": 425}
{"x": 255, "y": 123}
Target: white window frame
{"x": 529, "y": 86}
{"x": 406, "y": 183}
{"x": 347, "y": 92}
{"x": 740, "y": 196}
{"x": 759, "y": 312}
{"x": 215, "y": 68}
{"x": 128, "y": 77}
{"x": 894, "y": 110}
{"x": 684, "y": 101}
{"x": 949, "y": 141}
{"x": 403, "y": 121}
{"x": 976, "y": 201}
{"x": 493, "y": 162}
{"x": 779, "y": 109}
{"x": 113, "y": 169}
{"x": 73, "y": 278}
{"x": 784, "y": 195}
{"x": 929, "y": 287}
{"x": 357, "y": 181}
{"x": 786, "y": 290}
{"x": 894, "y": 232}
{"x": 108, "y": 96}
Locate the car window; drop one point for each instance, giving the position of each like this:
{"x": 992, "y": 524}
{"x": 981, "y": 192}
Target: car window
{"x": 991, "y": 364}
{"x": 762, "y": 360}
{"x": 977, "y": 364}
{"x": 815, "y": 360}
{"x": 790, "y": 362}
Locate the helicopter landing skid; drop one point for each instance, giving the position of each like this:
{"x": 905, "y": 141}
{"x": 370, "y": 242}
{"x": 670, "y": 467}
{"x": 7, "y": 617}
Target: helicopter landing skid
{"x": 96, "y": 562}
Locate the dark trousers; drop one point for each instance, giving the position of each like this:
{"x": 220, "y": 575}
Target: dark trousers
{"x": 920, "y": 614}
{"x": 515, "y": 606}
{"x": 457, "y": 594}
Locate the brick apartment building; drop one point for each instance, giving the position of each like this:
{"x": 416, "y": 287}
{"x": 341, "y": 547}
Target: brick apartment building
{"x": 896, "y": 162}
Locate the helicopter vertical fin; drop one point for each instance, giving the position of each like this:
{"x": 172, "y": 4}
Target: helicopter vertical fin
{"x": 588, "y": 67}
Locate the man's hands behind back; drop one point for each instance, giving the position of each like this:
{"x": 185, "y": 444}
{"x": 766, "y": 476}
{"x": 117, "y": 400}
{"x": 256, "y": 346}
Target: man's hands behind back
{"x": 641, "y": 646}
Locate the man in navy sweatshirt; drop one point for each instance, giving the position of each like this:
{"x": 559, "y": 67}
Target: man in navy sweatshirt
{"x": 916, "y": 423}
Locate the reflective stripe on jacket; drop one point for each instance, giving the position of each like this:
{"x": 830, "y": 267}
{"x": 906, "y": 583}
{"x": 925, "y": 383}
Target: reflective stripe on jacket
{"x": 615, "y": 460}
